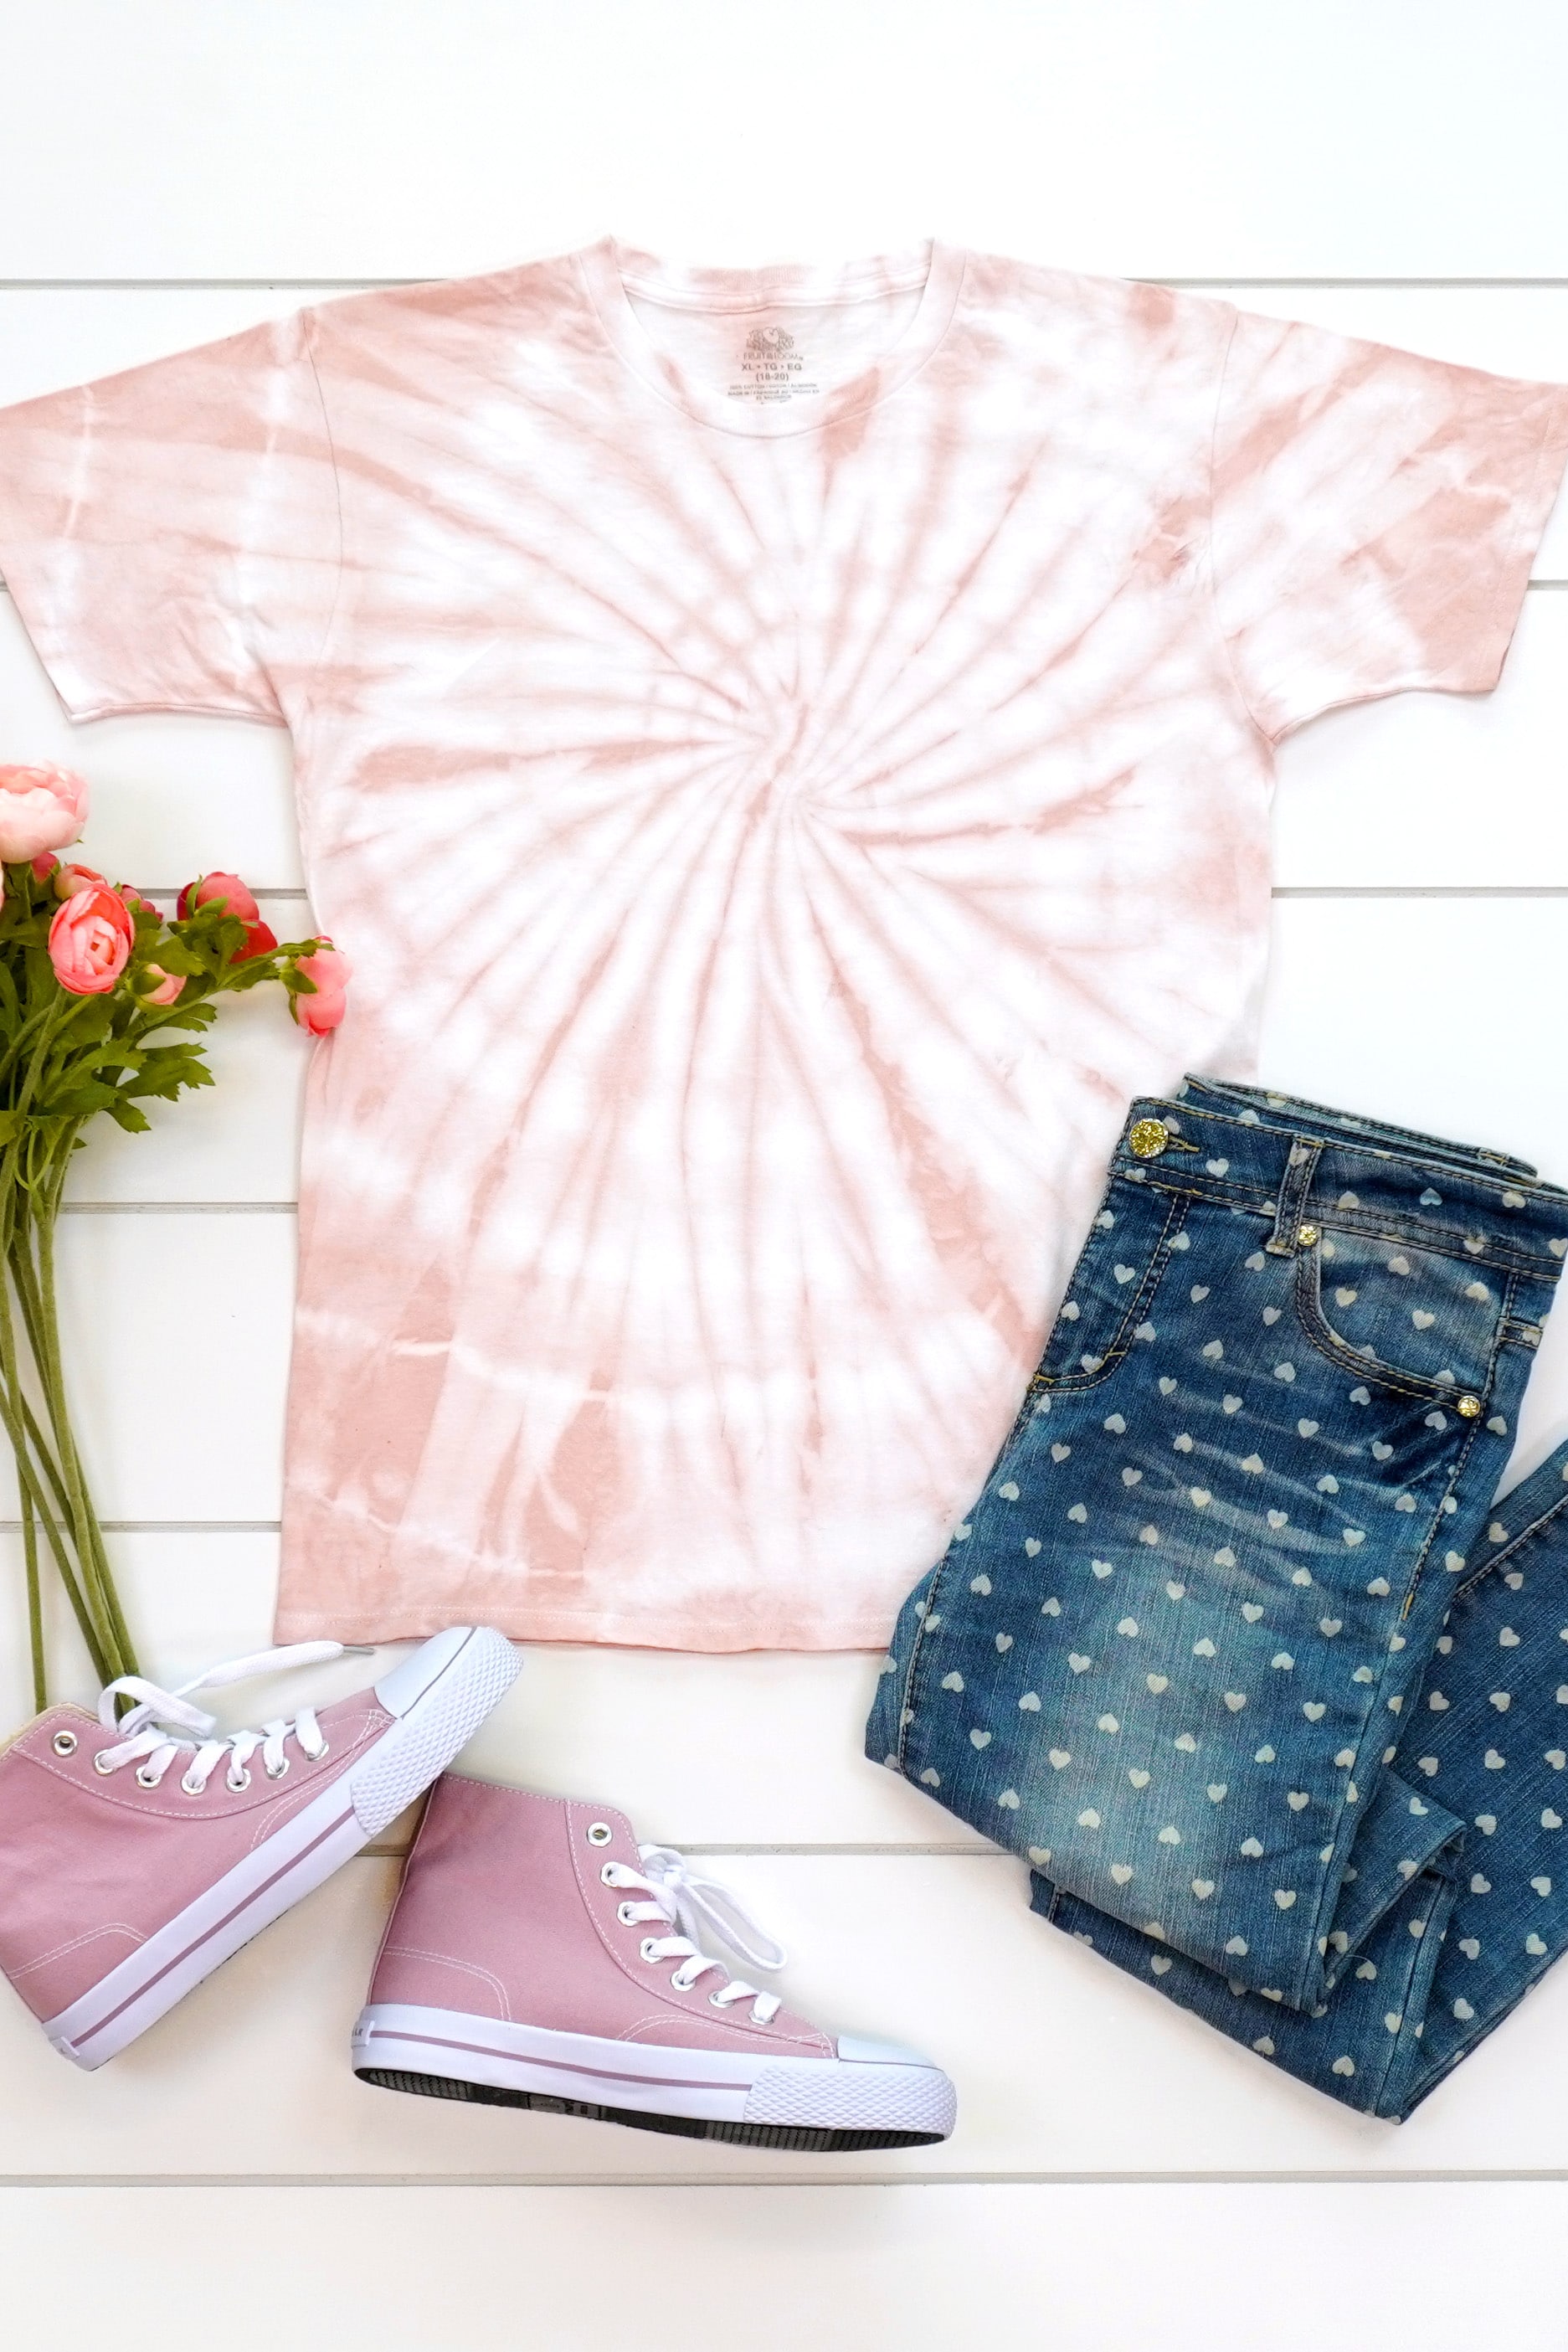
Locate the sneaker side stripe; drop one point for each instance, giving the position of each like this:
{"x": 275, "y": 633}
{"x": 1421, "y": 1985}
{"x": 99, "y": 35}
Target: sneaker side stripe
{"x": 81, "y": 2040}
{"x": 556, "y": 2066}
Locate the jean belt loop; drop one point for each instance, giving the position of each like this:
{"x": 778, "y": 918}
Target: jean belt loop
{"x": 1300, "y": 1169}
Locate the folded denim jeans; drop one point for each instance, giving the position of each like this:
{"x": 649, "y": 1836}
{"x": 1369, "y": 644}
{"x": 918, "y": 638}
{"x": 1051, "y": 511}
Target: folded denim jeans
{"x": 1236, "y": 1647}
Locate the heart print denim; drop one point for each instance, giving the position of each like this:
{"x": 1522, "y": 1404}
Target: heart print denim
{"x": 1234, "y": 1647}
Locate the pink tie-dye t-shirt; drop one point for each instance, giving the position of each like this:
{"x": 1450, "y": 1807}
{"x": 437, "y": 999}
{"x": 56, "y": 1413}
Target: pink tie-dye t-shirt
{"x": 787, "y": 752}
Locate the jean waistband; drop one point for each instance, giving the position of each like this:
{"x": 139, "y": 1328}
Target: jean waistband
{"x": 1291, "y": 1160}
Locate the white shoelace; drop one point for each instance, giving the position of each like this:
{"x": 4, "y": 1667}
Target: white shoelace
{"x": 686, "y": 1903}
{"x": 156, "y": 1729}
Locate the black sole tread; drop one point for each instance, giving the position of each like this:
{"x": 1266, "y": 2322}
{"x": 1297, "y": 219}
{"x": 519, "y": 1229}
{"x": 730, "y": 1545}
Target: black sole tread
{"x": 802, "y": 2139}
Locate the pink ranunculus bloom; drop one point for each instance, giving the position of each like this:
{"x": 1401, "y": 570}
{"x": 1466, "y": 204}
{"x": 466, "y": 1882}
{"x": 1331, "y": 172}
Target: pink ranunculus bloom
{"x": 67, "y": 879}
{"x": 40, "y": 808}
{"x": 167, "y": 986}
{"x": 237, "y": 899}
{"x": 89, "y": 940}
{"x": 331, "y": 973}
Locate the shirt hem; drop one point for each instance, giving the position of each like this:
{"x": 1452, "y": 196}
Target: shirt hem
{"x": 697, "y": 1633}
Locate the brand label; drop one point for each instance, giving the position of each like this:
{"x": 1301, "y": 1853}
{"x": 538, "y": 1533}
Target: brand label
{"x": 772, "y": 367}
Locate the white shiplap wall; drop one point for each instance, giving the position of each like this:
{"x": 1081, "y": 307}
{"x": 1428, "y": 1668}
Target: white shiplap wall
{"x": 1120, "y": 2175}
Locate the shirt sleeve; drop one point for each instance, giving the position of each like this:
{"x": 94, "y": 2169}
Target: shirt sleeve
{"x": 1375, "y": 517}
{"x": 170, "y": 534}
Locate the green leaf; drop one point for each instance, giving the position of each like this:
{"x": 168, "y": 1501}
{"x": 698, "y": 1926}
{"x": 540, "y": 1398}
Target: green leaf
{"x": 176, "y": 957}
{"x": 80, "y": 1102}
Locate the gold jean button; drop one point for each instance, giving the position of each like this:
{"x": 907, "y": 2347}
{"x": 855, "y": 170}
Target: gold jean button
{"x": 1306, "y": 1235}
{"x": 1468, "y": 1406}
{"x": 1148, "y": 1138}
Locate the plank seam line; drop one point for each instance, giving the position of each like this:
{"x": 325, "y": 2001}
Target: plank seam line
{"x": 1419, "y": 890}
{"x": 971, "y": 1852}
{"x": 1325, "y": 2177}
{"x": 179, "y": 1208}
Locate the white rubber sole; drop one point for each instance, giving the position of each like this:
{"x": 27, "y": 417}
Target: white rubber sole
{"x": 440, "y": 1695}
{"x": 850, "y": 2101}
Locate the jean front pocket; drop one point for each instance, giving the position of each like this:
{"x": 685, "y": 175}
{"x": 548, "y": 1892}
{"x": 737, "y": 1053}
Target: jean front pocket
{"x": 1403, "y": 1316}
{"x": 1129, "y": 1251}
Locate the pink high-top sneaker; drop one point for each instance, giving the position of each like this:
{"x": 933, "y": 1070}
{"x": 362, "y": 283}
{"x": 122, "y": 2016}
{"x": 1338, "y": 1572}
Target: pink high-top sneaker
{"x": 538, "y": 1957}
{"x": 137, "y": 1854}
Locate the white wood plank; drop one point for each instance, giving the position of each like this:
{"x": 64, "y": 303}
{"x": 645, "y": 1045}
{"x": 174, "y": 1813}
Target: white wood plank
{"x": 172, "y": 796}
{"x": 1087, "y": 2269}
{"x": 169, "y": 143}
{"x": 759, "y": 1749}
{"x": 1388, "y": 793}
{"x": 1064, "y": 2065}
{"x": 155, "y": 1448}
{"x": 1422, "y": 1011}
{"x": 53, "y": 337}
{"x": 1438, "y": 790}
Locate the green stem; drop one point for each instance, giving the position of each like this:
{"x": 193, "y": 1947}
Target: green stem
{"x": 33, "y": 1497}
{"x": 90, "y": 1554}
{"x": 35, "y": 1604}
{"x": 34, "y": 1594}
{"x": 89, "y": 1582}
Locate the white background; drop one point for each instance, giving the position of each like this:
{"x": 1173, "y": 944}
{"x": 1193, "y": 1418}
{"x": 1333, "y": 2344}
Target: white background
{"x": 1120, "y": 2177}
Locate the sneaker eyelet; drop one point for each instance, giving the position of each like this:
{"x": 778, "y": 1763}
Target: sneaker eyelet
{"x": 64, "y": 1743}
{"x": 623, "y": 1913}
{"x": 276, "y": 1772}
{"x": 192, "y": 1788}
{"x": 146, "y": 1780}
{"x": 322, "y": 1753}
{"x": 718, "y": 2001}
{"x": 599, "y": 1833}
{"x": 649, "y": 1954}
{"x": 99, "y": 1766}
{"x": 237, "y": 1782}
{"x": 607, "y": 1873}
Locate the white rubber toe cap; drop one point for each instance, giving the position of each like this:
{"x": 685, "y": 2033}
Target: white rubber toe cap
{"x": 862, "y": 2050}
{"x": 408, "y": 1681}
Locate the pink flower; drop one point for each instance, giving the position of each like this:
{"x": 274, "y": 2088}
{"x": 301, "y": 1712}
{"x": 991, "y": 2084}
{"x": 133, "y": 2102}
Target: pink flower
{"x": 168, "y": 988}
{"x": 68, "y": 881}
{"x": 331, "y": 973}
{"x": 89, "y": 940}
{"x": 237, "y": 901}
{"x": 40, "y": 808}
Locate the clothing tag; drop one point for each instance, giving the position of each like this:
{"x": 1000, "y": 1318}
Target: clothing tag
{"x": 772, "y": 367}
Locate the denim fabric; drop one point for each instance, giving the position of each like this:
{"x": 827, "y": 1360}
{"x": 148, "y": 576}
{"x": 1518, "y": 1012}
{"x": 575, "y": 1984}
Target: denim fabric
{"x": 1234, "y": 1647}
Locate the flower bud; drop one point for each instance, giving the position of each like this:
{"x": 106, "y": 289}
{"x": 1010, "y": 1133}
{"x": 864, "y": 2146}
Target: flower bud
{"x": 166, "y": 987}
{"x": 325, "y": 1008}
